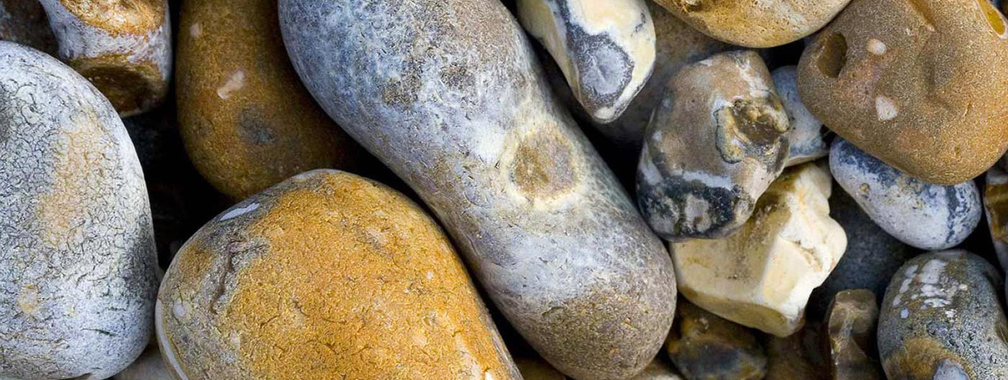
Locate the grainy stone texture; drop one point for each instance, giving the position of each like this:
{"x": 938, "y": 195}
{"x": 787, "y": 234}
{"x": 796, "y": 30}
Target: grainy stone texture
{"x": 943, "y": 318}
{"x": 25, "y": 22}
{"x": 995, "y": 198}
{"x": 77, "y": 263}
{"x": 474, "y": 129}
{"x": 911, "y": 82}
{"x": 850, "y": 330}
{"x": 149, "y": 366}
{"x": 247, "y": 121}
{"x": 713, "y": 146}
{"x": 705, "y": 346}
{"x": 799, "y": 356}
{"x": 808, "y": 135}
{"x": 538, "y": 369}
{"x": 324, "y": 276}
{"x": 122, "y": 47}
{"x": 917, "y": 213}
{"x": 763, "y": 274}
{"x": 758, "y": 24}
{"x": 606, "y": 49}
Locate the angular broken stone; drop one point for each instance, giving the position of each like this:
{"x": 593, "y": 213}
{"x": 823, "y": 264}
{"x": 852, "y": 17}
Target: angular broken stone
{"x": 807, "y": 138}
{"x": 713, "y": 146}
{"x": 850, "y": 331}
{"x": 762, "y": 275}
{"x": 705, "y": 346}
{"x": 995, "y": 198}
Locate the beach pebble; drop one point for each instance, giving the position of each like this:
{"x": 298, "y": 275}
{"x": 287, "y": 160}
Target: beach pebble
{"x": 762, "y": 275}
{"x": 918, "y": 213}
{"x": 808, "y": 135}
{"x": 850, "y": 329}
{"x": 713, "y": 146}
{"x": 911, "y": 82}
{"x": 758, "y": 24}
{"x": 799, "y": 356}
{"x": 326, "y": 275}
{"x": 705, "y": 346}
{"x": 25, "y": 22}
{"x": 77, "y": 261}
{"x": 942, "y": 318}
{"x": 123, "y": 47}
{"x": 475, "y": 129}
{"x": 995, "y": 198}
{"x": 605, "y": 49}
{"x": 538, "y": 369}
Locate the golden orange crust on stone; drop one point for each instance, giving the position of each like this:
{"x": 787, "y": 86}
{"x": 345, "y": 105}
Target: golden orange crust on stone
{"x": 118, "y": 17}
{"x": 346, "y": 279}
{"x": 129, "y": 87}
{"x": 919, "y": 359}
{"x": 246, "y": 119}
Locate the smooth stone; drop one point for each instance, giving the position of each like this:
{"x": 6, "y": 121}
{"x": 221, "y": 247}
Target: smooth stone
{"x": 995, "y": 198}
{"x": 123, "y": 47}
{"x": 606, "y": 50}
{"x": 326, "y": 275}
{"x": 807, "y": 139}
{"x": 762, "y": 275}
{"x": 799, "y": 356}
{"x": 913, "y": 82}
{"x": 539, "y": 369}
{"x": 850, "y": 325}
{"x": 25, "y": 22}
{"x": 942, "y": 318}
{"x": 246, "y": 120}
{"x": 149, "y": 366}
{"x": 918, "y": 213}
{"x": 77, "y": 261}
{"x": 713, "y": 146}
{"x": 475, "y": 129}
{"x": 755, "y": 24}
{"x": 705, "y": 346}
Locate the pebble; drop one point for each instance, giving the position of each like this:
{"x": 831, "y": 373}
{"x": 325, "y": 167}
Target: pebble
{"x": 850, "y": 325}
{"x": 606, "y": 50}
{"x": 808, "y": 135}
{"x": 25, "y": 22}
{"x": 713, "y": 146}
{"x": 920, "y": 214}
{"x": 246, "y": 120}
{"x": 539, "y": 369}
{"x": 995, "y": 198}
{"x": 549, "y": 232}
{"x": 705, "y": 346}
{"x": 911, "y": 82}
{"x": 762, "y": 275}
{"x": 799, "y": 356}
{"x": 942, "y": 318}
{"x": 77, "y": 261}
{"x": 326, "y": 275}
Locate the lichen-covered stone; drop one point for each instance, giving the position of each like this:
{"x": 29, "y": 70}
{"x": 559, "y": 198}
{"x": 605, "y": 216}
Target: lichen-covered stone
{"x": 911, "y": 82}
{"x": 713, "y": 146}
{"x": 705, "y": 346}
{"x": 606, "y": 49}
{"x": 799, "y": 356}
{"x": 149, "y": 366}
{"x": 247, "y": 121}
{"x": 25, "y": 22}
{"x": 325, "y": 276}
{"x": 758, "y": 24}
{"x": 476, "y": 131}
{"x": 917, "y": 213}
{"x": 995, "y": 198}
{"x": 77, "y": 263}
{"x": 850, "y": 330}
{"x": 807, "y": 139}
{"x": 942, "y": 318}
{"x": 122, "y": 47}
{"x": 762, "y": 275}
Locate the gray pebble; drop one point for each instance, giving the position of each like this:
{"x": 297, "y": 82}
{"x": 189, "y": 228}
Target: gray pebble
{"x": 808, "y": 134}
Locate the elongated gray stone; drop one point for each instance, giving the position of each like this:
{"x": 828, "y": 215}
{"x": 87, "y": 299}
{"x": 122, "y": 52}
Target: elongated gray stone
{"x": 807, "y": 136}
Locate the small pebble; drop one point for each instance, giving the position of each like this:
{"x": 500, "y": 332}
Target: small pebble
{"x": 850, "y": 325}
{"x": 705, "y": 346}
{"x": 808, "y": 135}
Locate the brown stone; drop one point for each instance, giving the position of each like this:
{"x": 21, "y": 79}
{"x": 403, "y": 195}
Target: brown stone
{"x": 797, "y": 357}
{"x": 850, "y": 331}
{"x": 705, "y": 346}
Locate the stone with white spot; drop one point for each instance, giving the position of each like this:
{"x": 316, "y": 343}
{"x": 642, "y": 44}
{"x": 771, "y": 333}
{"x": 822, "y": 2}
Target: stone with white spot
{"x": 714, "y": 144}
{"x": 920, "y": 214}
{"x": 807, "y": 138}
{"x": 705, "y": 346}
{"x": 762, "y": 275}
{"x": 942, "y": 319}
{"x": 77, "y": 261}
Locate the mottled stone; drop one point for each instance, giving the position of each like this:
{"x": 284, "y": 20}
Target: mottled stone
{"x": 77, "y": 263}
{"x": 799, "y": 356}
{"x": 850, "y": 331}
{"x": 25, "y": 22}
{"x": 917, "y": 213}
{"x": 548, "y": 231}
{"x": 942, "y": 318}
{"x": 538, "y": 369}
{"x": 808, "y": 135}
{"x": 705, "y": 346}
{"x": 758, "y": 24}
{"x": 911, "y": 82}
{"x": 123, "y": 47}
{"x": 304, "y": 281}
{"x": 763, "y": 274}
{"x": 995, "y": 198}
{"x": 605, "y": 49}
{"x": 149, "y": 366}
{"x": 713, "y": 146}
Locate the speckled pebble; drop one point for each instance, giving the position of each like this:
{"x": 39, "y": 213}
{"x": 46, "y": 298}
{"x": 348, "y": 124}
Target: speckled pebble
{"x": 808, "y": 135}
{"x": 850, "y": 330}
{"x": 705, "y": 346}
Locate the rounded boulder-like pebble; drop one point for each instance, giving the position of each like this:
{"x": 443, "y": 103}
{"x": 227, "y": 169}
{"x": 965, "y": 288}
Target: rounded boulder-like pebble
{"x": 705, "y": 346}
{"x": 25, "y": 22}
{"x": 538, "y": 369}
{"x": 713, "y": 146}
{"x": 912, "y": 83}
{"x": 850, "y": 330}
{"x": 942, "y": 318}
{"x": 807, "y": 138}
{"x": 475, "y": 129}
{"x": 77, "y": 262}
{"x": 325, "y": 276}
{"x": 756, "y": 24}
{"x": 246, "y": 120}
{"x": 918, "y": 213}
{"x": 123, "y": 47}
